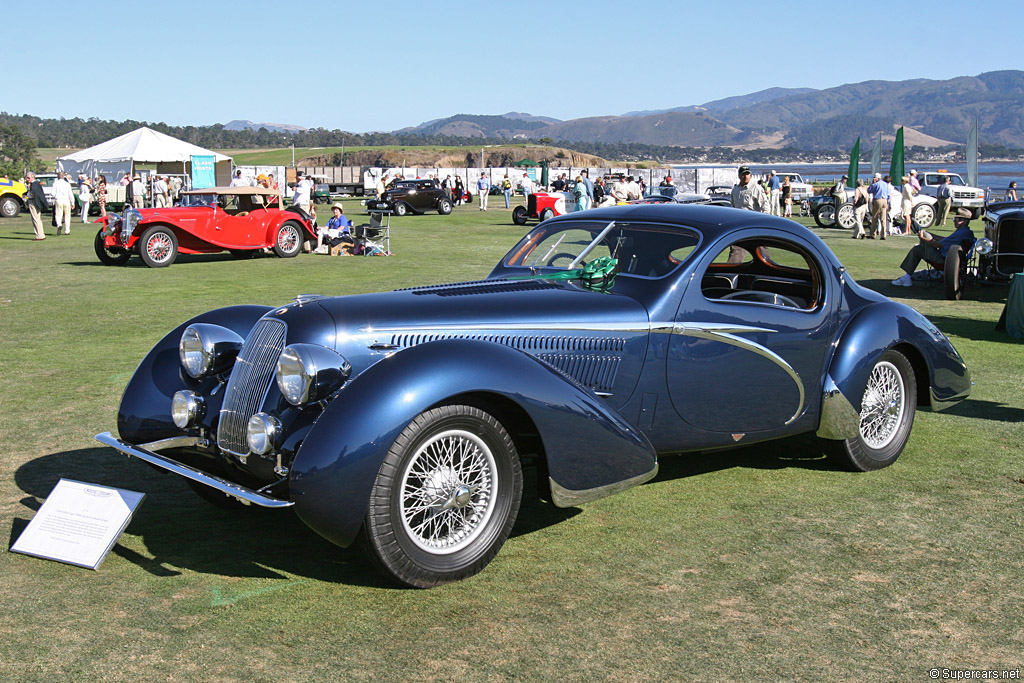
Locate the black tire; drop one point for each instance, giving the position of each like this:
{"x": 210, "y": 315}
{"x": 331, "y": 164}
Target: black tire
{"x": 519, "y": 215}
{"x": 110, "y": 256}
{"x": 824, "y": 216}
{"x": 883, "y": 433}
{"x": 288, "y": 241}
{"x": 951, "y": 274}
{"x": 444, "y": 207}
{"x": 546, "y": 214}
{"x": 10, "y": 207}
{"x": 401, "y": 208}
{"x": 158, "y": 246}
{"x": 425, "y": 527}
{"x": 924, "y": 215}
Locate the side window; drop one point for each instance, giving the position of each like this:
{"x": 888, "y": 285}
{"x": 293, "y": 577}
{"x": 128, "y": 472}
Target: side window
{"x": 762, "y": 271}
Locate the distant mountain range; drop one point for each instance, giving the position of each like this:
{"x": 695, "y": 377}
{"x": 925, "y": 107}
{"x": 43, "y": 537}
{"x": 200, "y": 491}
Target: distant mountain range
{"x": 934, "y": 114}
{"x": 238, "y": 124}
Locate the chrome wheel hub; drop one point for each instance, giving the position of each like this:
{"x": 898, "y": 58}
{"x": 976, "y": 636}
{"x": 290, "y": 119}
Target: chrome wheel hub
{"x": 447, "y": 491}
{"x": 883, "y": 406}
{"x": 158, "y": 247}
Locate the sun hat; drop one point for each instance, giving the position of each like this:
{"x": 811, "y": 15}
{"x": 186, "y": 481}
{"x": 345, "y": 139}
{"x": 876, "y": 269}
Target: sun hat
{"x": 964, "y": 213}
{"x": 338, "y": 206}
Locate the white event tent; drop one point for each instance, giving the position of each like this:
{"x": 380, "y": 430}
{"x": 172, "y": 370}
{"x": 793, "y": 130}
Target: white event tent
{"x": 117, "y": 157}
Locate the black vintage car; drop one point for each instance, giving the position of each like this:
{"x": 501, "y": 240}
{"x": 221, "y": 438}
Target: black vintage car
{"x": 993, "y": 259}
{"x": 413, "y": 196}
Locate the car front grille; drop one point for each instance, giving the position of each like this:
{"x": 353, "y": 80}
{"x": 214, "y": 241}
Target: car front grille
{"x": 248, "y": 385}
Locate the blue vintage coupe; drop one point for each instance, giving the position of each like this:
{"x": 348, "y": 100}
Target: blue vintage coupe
{"x": 602, "y": 340}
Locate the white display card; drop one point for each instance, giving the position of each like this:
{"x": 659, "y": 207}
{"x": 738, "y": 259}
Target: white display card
{"x": 78, "y": 523}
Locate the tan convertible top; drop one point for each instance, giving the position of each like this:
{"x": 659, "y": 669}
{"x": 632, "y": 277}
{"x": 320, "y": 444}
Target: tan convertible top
{"x": 238, "y": 189}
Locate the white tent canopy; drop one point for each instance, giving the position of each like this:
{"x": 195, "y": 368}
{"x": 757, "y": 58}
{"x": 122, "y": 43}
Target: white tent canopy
{"x": 117, "y": 157}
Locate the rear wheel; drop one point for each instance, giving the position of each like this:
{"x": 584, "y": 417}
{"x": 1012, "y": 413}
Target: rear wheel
{"x": 847, "y": 217}
{"x": 158, "y": 246}
{"x": 288, "y": 242}
{"x": 951, "y": 274}
{"x": 923, "y": 215}
{"x": 886, "y": 415}
{"x": 445, "y": 499}
{"x": 519, "y": 215}
{"x": 110, "y": 256}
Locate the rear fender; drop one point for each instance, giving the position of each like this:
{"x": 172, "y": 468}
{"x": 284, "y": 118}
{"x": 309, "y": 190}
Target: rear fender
{"x": 591, "y": 450}
{"x": 877, "y": 328}
{"x": 145, "y": 412}
{"x": 283, "y": 216}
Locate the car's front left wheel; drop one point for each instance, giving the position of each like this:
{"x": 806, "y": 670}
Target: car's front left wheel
{"x": 445, "y": 499}
{"x": 9, "y": 207}
{"x": 886, "y": 415}
{"x": 110, "y": 256}
{"x": 158, "y": 246}
{"x": 288, "y": 242}
{"x": 444, "y": 207}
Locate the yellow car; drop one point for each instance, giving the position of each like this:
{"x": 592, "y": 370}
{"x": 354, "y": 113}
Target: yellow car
{"x": 12, "y": 197}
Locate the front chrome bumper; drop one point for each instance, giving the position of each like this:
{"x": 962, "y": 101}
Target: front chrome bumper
{"x": 146, "y": 452}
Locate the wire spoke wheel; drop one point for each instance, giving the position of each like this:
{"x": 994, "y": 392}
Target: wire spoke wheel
{"x": 448, "y": 491}
{"x": 883, "y": 406}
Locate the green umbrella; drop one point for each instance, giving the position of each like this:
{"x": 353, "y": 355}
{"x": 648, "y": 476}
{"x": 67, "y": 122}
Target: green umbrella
{"x": 526, "y": 162}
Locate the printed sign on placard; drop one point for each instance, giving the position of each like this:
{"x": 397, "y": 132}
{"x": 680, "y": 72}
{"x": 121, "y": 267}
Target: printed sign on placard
{"x": 78, "y": 523}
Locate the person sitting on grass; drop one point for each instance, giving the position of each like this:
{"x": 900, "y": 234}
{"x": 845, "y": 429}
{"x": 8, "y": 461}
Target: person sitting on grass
{"x": 338, "y": 230}
{"x": 933, "y": 250}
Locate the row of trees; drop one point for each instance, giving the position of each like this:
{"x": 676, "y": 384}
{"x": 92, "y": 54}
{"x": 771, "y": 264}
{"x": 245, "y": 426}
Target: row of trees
{"x": 20, "y": 135}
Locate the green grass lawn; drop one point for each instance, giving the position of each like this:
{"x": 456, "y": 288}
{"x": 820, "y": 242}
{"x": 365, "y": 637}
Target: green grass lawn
{"x": 761, "y": 563}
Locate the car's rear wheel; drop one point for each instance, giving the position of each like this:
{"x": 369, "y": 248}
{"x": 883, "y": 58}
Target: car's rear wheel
{"x": 519, "y": 215}
{"x": 158, "y": 246}
{"x": 401, "y": 209}
{"x": 110, "y": 256}
{"x": 825, "y": 216}
{"x": 444, "y": 207}
{"x": 288, "y": 242}
{"x": 923, "y": 215}
{"x": 546, "y": 214}
{"x": 9, "y": 207}
{"x": 951, "y": 274}
{"x": 886, "y": 415}
{"x": 445, "y": 499}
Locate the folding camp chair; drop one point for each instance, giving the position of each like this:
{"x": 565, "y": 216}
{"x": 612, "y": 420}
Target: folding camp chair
{"x": 377, "y": 235}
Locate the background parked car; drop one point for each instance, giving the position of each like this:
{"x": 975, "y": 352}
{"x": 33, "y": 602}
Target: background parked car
{"x": 12, "y": 198}
{"x": 963, "y": 195}
{"x": 413, "y": 196}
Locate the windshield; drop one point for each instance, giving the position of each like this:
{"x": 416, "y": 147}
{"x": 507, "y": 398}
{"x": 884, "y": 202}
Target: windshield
{"x": 641, "y": 249}
{"x": 934, "y": 179}
{"x": 198, "y": 199}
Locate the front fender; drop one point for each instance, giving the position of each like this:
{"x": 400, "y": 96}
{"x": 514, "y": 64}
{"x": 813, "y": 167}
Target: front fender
{"x": 872, "y": 331}
{"x": 145, "y": 412}
{"x": 591, "y": 450}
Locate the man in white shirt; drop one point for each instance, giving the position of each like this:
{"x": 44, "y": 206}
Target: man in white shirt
{"x": 138, "y": 192}
{"x": 527, "y": 186}
{"x": 160, "y": 190}
{"x": 64, "y": 199}
{"x": 237, "y": 180}
{"x": 302, "y": 194}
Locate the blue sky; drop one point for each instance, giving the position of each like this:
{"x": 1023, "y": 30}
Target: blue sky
{"x": 198, "y": 63}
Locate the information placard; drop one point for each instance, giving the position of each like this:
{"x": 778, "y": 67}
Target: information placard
{"x": 78, "y": 523}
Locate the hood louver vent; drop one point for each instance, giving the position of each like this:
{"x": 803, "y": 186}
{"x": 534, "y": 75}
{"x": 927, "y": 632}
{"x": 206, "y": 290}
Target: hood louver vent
{"x": 485, "y": 287}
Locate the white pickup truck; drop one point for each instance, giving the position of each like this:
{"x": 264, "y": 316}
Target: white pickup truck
{"x": 964, "y": 196}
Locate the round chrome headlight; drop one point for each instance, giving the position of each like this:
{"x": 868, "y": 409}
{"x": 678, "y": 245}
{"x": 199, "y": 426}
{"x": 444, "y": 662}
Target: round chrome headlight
{"x": 187, "y": 409}
{"x": 206, "y": 349}
{"x": 983, "y": 246}
{"x": 263, "y": 433}
{"x": 307, "y": 373}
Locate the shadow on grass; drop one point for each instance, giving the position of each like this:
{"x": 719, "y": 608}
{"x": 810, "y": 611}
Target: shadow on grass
{"x": 179, "y": 530}
{"x": 987, "y": 410}
{"x": 934, "y": 290}
{"x": 978, "y": 330}
{"x": 182, "y": 259}
{"x": 803, "y": 451}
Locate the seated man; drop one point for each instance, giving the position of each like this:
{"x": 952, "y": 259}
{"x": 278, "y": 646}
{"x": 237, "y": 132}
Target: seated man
{"x": 338, "y": 230}
{"x": 934, "y": 251}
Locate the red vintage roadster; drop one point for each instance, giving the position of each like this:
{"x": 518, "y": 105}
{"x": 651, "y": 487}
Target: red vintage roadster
{"x": 242, "y": 220}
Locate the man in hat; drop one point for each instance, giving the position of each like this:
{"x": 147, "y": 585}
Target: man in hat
{"x": 933, "y": 250}
{"x": 915, "y": 182}
{"x": 137, "y": 192}
{"x": 879, "y": 190}
{"x": 750, "y": 196}
{"x": 667, "y": 182}
{"x": 838, "y": 194}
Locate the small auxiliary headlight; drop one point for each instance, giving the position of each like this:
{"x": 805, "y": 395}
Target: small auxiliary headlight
{"x": 263, "y": 433}
{"x": 983, "y": 246}
{"x": 187, "y": 409}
